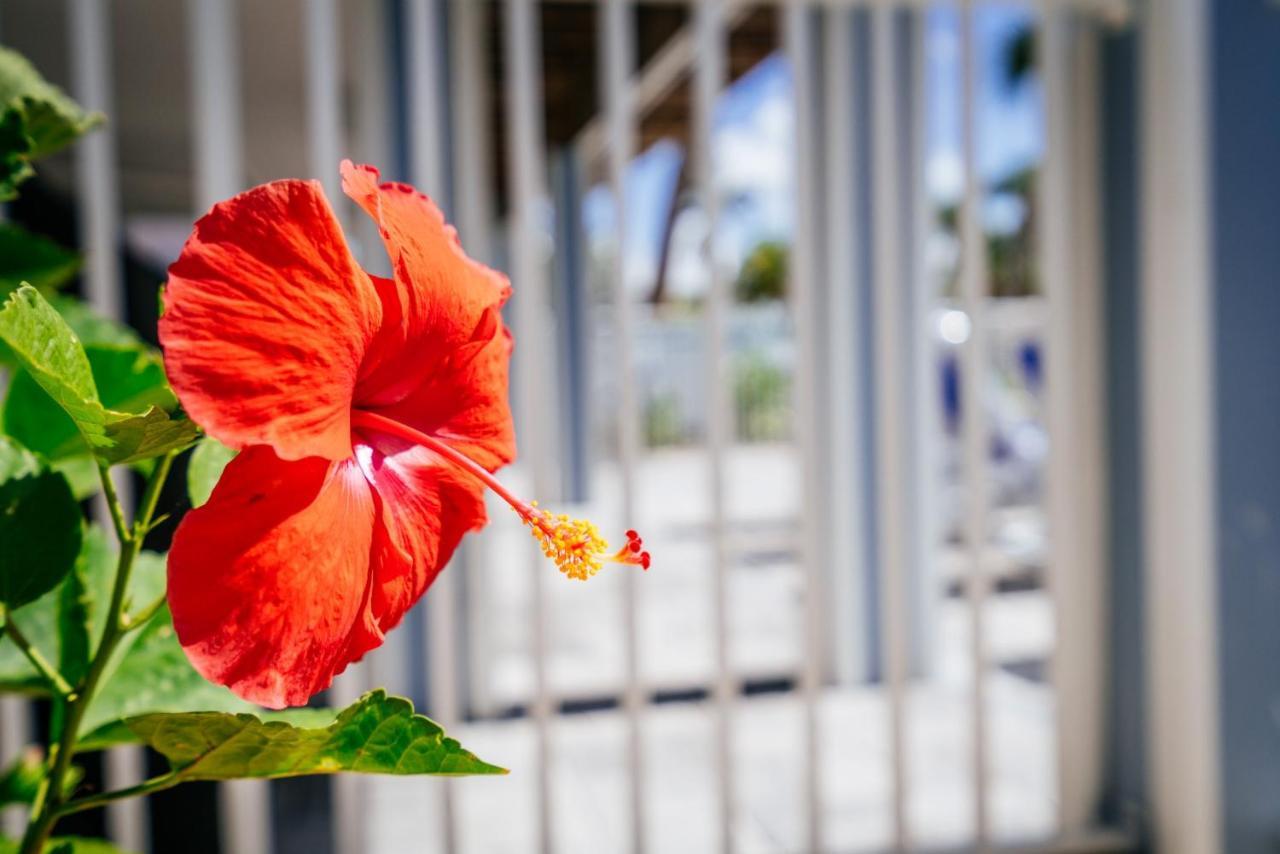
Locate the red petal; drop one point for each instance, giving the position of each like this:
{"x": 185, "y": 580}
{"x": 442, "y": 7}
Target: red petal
{"x": 443, "y": 369}
{"x": 425, "y": 506}
{"x": 269, "y": 581}
{"x": 267, "y": 320}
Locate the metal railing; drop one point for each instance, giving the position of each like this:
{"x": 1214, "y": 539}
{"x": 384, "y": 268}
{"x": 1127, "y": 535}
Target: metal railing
{"x": 447, "y": 116}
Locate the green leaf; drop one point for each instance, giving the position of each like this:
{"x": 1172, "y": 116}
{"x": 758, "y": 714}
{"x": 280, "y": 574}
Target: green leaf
{"x": 376, "y": 735}
{"x": 20, "y": 780}
{"x": 67, "y": 845}
{"x": 40, "y": 526}
{"x": 205, "y": 467}
{"x": 38, "y": 119}
{"x": 128, "y": 379}
{"x": 152, "y": 676}
{"x": 41, "y": 621}
{"x": 27, "y": 257}
{"x": 45, "y": 346}
{"x": 92, "y": 328}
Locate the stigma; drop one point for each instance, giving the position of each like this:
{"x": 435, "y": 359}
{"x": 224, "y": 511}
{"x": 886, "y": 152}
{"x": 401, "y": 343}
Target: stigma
{"x": 574, "y": 545}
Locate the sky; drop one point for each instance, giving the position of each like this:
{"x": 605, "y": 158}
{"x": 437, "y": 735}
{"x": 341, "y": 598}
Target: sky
{"x": 752, "y": 139}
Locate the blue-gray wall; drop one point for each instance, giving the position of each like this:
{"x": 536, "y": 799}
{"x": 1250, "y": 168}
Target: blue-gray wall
{"x": 1244, "y": 88}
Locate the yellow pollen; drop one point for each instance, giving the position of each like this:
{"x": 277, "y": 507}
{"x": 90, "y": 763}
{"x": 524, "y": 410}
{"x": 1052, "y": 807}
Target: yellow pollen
{"x": 574, "y": 545}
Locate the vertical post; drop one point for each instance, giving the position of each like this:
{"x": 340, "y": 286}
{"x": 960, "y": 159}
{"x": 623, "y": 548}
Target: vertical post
{"x": 473, "y": 213}
{"x": 217, "y": 132}
{"x": 846, "y": 527}
{"x": 925, "y": 403}
{"x": 99, "y": 207}
{"x": 426, "y": 139}
{"x": 973, "y": 376}
{"x": 891, "y": 379}
{"x": 323, "y": 75}
{"x": 798, "y": 39}
{"x": 528, "y": 269}
{"x": 1179, "y": 477}
{"x": 428, "y": 170}
{"x": 709, "y": 77}
{"x": 218, "y": 147}
{"x": 617, "y": 40}
{"x": 1068, "y": 240}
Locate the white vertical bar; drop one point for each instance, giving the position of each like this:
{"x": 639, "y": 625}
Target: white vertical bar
{"x": 15, "y": 737}
{"x": 217, "y": 134}
{"x": 891, "y": 378}
{"x": 426, "y": 147}
{"x": 471, "y": 132}
{"x": 617, "y": 39}
{"x": 324, "y": 95}
{"x": 798, "y": 41}
{"x": 427, "y": 118}
{"x": 710, "y": 39}
{"x": 1068, "y": 269}
{"x": 244, "y": 812}
{"x": 528, "y": 269}
{"x": 846, "y": 531}
{"x": 1177, "y": 406}
{"x": 99, "y": 205}
{"x": 473, "y": 213}
{"x": 323, "y": 67}
{"x": 973, "y": 375}
{"x": 923, "y": 347}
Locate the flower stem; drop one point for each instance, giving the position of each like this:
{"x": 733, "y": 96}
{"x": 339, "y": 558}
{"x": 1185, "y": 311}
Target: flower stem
{"x": 37, "y": 659}
{"x": 51, "y": 795}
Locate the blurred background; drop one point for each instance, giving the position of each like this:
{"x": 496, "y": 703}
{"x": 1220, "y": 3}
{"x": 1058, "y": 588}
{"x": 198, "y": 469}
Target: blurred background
{"x": 930, "y": 346}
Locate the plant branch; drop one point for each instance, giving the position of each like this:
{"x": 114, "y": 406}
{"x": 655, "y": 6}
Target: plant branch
{"x": 37, "y": 659}
{"x": 50, "y": 796}
{"x": 129, "y": 622}
{"x": 113, "y": 503}
{"x": 146, "y": 787}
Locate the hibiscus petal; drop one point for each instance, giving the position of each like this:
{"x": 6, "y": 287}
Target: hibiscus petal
{"x": 269, "y": 580}
{"x": 267, "y": 320}
{"x": 425, "y": 506}
{"x": 444, "y": 369}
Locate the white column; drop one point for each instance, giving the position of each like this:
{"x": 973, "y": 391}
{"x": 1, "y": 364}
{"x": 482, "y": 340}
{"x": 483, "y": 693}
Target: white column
{"x": 975, "y": 293}
{"x": 846, "y": 529}
{"x": 527, "y": 163}
{"x": 709, "y": 74}
{"x": 1177, "y": 430}
{"x": 244, "y": 806}
{"x": 617, "y": 61}
{"x": 894, "y": 529}
{"x": 799, "y": 44}
{"x": 1069, "y": 240}
{"x": 97, "y": 180}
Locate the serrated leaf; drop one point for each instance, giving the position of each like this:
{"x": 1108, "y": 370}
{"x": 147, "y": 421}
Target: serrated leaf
{"x": 27, "y": 257}
{"x": 40, "y": 526}
{"x": 152, "y": 676}
{"x": 38, "y": 119}
{"x": 45, "y": 346}
{"x": 205, "y": 468}
{"x": 376, "y": 735}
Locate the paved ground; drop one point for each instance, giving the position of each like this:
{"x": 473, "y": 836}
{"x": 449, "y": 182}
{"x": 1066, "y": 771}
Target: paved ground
{"x": 588, "y": 770}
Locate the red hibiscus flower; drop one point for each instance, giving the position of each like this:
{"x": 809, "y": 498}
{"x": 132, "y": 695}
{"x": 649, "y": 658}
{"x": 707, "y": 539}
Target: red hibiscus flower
{"x": 370, "y": 414}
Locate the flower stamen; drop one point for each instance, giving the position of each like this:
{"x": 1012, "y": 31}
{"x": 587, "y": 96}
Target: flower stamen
{"x": 574, "y": 545}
